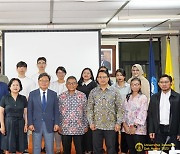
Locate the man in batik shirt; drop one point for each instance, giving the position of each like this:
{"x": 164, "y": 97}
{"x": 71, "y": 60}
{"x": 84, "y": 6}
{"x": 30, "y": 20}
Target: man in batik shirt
{"x": 73, "y": 119}
{"x": 104, "y": 114}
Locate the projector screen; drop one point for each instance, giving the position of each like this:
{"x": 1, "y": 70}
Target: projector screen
{"x": 74, "y": 50}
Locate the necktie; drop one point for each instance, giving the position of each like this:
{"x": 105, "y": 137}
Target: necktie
{"x": 44, "y": 101}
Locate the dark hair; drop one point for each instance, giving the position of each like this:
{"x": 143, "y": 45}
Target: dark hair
{"x": 103, "y": 67}
{"x": 140, "y": 92}
{"x": 166, "y": 76}
{"x": 61, "y": 68}
{"x": 81, "y": 78}
{"x": 21, "y": 64}
{"x": 44, "y": 74}
{"x": 71, "y": 77}
{"x": 122, "y": 71}
{"x": 41, "y": 58}
{"x": 107, "y": 73}
{"x": 11, "y": 81}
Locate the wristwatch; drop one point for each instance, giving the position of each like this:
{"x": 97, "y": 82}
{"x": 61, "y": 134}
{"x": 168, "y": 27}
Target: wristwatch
{"x": 135, "y": 126}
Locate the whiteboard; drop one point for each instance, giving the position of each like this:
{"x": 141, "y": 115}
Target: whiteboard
{"x": 74, "y": 50}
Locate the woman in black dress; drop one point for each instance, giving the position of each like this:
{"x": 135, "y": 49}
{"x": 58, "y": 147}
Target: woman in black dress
{"x": 85, "y": 84}
{"x": 13, "y": 118}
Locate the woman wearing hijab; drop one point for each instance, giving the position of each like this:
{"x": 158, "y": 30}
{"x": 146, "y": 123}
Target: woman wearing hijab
{"x": 138, "y": 72}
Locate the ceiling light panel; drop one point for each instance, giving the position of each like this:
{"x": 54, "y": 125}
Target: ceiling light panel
{"x": 155, "y": 4}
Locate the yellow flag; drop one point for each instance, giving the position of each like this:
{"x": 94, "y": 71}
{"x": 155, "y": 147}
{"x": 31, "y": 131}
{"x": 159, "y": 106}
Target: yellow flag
{"x": 169, "y": 68}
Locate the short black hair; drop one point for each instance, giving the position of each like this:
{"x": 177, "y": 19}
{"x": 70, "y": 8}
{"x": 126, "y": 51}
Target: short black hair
{"x": 61, "y": 68}
{"x": 166, "y": 76}
{"x": 107, "y": 73}
{"x": 41, "y": 58}
{"x": 11, "y": 81}
{"x": 136, "y": 79}
{"x": 71, "y": 77}
{"x": 44, "y": 74}
{"x": 102, "y": 67}
{"x": 122, "y": 71}
{"x": 21, "y": 64}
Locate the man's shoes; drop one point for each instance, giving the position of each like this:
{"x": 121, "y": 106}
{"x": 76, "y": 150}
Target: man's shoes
{"x": 43, "y": 150}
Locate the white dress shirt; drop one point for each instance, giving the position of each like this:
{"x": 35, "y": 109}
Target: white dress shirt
{"x": 41, "y": 93}
{"x": 164, "y": 108}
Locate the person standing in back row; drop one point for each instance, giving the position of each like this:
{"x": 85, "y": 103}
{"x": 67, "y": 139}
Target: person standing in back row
{"x": 27, "y": 83}
{"x": 138, "y": 72}
{"x": 59, "y": 87}
{"x": 41, "y": 65}
{"x": 85, "y": 84}
{"x": 124, "y": 89}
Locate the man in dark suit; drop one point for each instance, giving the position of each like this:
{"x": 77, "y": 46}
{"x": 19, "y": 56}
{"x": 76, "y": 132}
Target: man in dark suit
{"x": 164, "y": 114}
{"x": 104, "y": 62}
{"x": 43, "y": 114}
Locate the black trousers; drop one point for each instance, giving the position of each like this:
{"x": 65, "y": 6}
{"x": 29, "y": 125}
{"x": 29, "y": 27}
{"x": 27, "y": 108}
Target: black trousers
{"x": 161, "y": 137}
{"x": 67, "y": 142}
{"x": 124, "y": 145}
{"x": 134, "y": 143}
{"x": 87, "y": 142}
{"x": 110, "y": 138}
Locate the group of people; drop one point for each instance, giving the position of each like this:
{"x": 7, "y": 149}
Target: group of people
{"x": 89, "y": 111}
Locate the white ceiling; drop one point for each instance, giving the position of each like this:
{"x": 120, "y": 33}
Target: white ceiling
{"x": 118, "y": 18}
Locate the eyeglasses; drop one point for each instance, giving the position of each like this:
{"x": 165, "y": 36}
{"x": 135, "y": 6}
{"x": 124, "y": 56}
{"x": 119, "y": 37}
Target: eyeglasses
{"x": 44, "y": 81}
{"x": 72, "y": 83}
{"x": 161, "y": 82}
{"x": 102, "y": 77}
{"x": 41, "y": 63}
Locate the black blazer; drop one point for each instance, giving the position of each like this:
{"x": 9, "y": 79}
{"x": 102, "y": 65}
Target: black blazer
{"x": 154, "y": 115}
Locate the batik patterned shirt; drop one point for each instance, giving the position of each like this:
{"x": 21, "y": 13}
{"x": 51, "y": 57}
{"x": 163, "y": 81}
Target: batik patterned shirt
{"x": 104, "y": 108}
{"x": 73, "y": 119}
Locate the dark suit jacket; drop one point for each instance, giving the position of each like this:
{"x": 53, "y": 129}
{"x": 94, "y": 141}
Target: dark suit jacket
{"x": 107, "y": 64}
{"x": 36, "y": 114}
{"x": 154, "y": 115}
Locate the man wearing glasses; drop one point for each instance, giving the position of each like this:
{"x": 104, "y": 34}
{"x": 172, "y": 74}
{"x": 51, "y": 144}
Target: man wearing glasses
{"x": 164, "y": 114}
{"x": 73, "y": 120}
{"x": 41, "y": 65}
{"x": 104, "y": 113}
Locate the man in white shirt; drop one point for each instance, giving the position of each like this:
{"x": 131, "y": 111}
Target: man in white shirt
{"x": 27, "y": 84}
{"x": 164, "y": 114}
{"x": 41, "y": 65}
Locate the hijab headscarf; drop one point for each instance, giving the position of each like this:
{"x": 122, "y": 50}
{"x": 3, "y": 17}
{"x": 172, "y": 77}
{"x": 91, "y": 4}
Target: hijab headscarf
{"x": 145, "y": 87}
